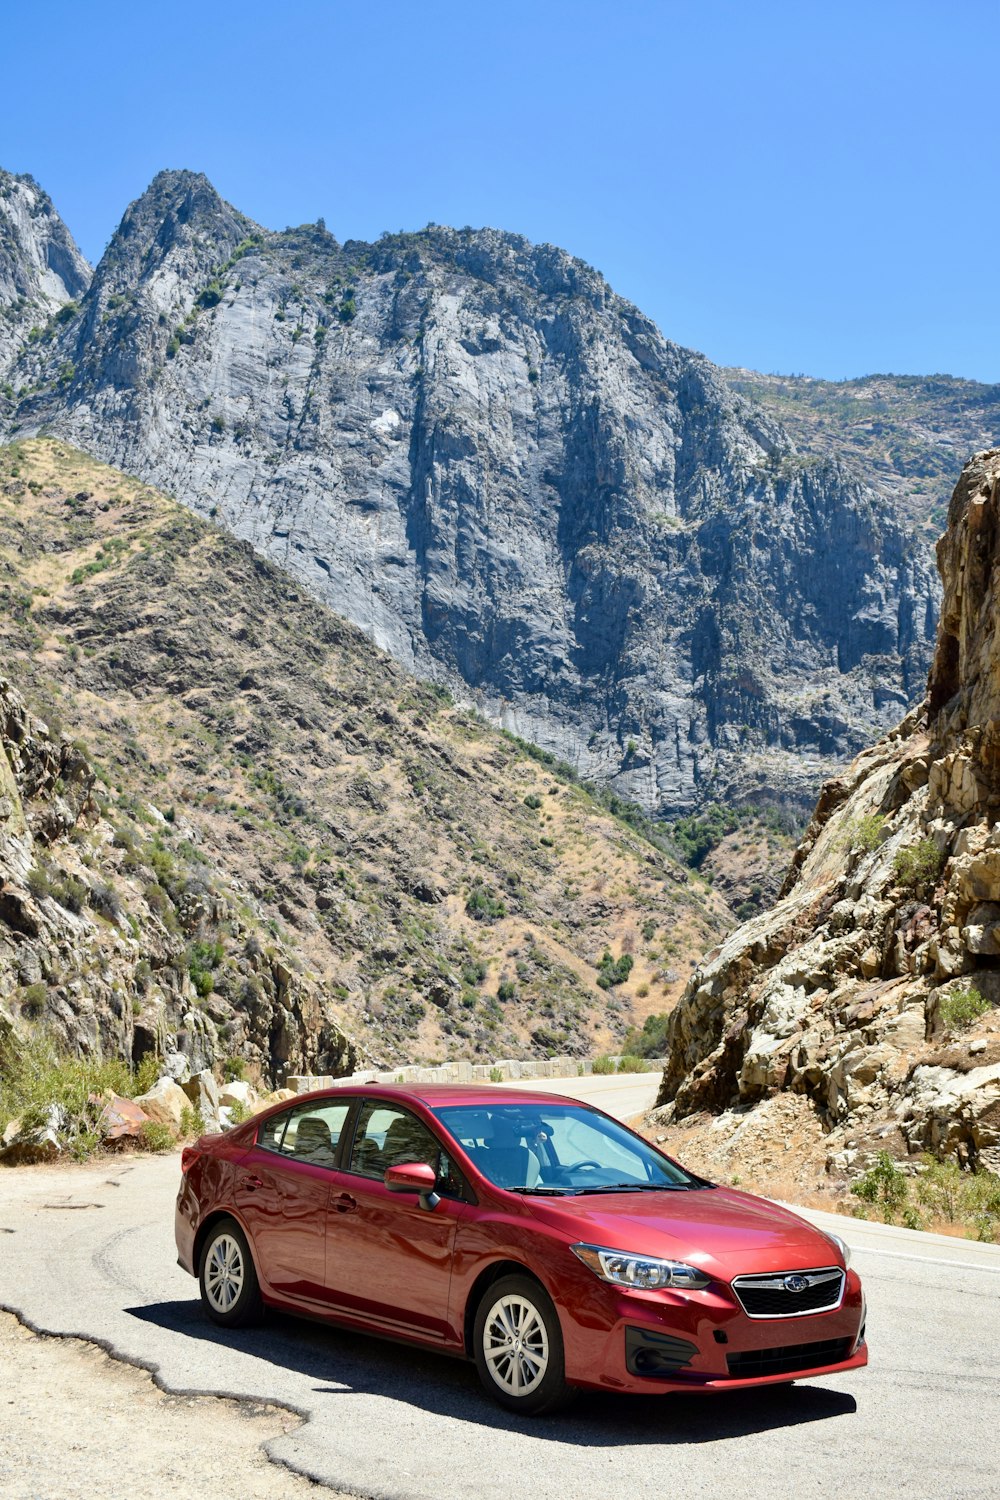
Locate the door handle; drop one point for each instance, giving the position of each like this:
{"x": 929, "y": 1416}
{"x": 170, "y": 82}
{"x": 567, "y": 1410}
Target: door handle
{"x": 345, "y": 1204}
{"x": 251, "y": 1183}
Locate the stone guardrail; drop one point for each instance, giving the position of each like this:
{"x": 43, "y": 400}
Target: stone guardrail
{"x": 512, "y": 1069}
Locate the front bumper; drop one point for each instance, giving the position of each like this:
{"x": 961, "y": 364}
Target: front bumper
{"x": 655, "y": 1342}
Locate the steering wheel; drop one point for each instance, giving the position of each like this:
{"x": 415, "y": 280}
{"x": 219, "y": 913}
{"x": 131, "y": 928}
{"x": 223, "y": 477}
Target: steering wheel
{"x": 587, "y": 1161}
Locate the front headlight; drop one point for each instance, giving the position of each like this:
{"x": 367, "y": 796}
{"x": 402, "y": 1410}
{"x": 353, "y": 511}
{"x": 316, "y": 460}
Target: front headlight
{"x": 641, "y": 1272}
{"x": 844, "y": 1248}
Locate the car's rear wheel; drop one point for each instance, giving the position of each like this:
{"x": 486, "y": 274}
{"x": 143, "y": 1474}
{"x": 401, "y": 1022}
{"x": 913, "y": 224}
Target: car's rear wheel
{"x": 227, "y": 1277}
{"x": 519, "y": 1347}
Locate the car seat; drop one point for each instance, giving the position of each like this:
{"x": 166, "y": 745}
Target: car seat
{"x": 508, "y": 1162}
{"x": 313, "y": 1142}
{"x": 406, "y": 1140}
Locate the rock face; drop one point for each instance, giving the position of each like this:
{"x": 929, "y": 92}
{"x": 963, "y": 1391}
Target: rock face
{"x": 499, "y": 469}
{"x": 846, "y": 991}
{"x": 41, "y": 270}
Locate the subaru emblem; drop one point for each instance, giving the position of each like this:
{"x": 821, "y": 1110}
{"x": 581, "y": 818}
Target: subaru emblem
{"x": 795, "y": 1283}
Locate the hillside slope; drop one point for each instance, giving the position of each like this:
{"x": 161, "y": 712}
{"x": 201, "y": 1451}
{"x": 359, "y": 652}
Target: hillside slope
{"x": 501, "y": 471}
{"x": 907, "y": 434}
{"x": 869, "y": 997}
{"x": 244, "y": 826}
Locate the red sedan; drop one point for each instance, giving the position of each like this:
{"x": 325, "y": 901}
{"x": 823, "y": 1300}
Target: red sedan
{"x": 532, "y": 1233}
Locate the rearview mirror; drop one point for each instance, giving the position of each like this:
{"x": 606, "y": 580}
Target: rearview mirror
{"x": 413, "y": 1177}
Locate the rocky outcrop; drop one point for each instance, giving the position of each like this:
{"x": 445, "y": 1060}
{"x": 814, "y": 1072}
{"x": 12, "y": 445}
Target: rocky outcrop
{"x": 103, "y": 962}
{"x": 41, "y": 271}
{"x": 499, "y": 469}
{"x": 872, "y": 986}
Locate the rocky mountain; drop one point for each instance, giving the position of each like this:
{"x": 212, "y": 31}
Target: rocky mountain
{"x": 866, "y": 1002}
{"x": 230, "y": 826}
{"x": 41, "y": 270}
{"x": 907, "y": 434}
{"x": 473, "y": 449}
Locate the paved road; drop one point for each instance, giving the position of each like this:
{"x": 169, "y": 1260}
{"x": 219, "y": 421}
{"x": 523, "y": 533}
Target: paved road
{"x": 89, "y": 1251}
{"x": 624, "y": 1095}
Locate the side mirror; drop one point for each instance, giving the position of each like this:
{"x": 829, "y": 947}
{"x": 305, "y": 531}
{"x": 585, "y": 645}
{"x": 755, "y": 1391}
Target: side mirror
{"x": 413, "y": 1177}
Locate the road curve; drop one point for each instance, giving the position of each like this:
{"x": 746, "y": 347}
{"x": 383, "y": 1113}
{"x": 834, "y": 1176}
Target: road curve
{"x": 89, "y": 1251}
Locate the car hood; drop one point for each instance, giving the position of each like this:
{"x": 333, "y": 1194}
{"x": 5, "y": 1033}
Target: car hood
{"x": 721, "y": 1231}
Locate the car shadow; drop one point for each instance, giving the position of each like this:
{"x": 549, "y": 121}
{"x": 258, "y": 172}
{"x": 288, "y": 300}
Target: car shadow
{"x": 345, "y": 1363}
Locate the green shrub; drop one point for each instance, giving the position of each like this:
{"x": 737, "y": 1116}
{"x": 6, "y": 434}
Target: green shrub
{"x": 211, "y": 295}
{"x": 38, "y": 883}
{"x": 629, "y": 1063}
{"x": 864, "y": 833}
{"x": 611, "y": 971}
{"x": 33, "y": 999}
{"x": 496, "y": 1075}
{"x": 506, "y": 989}
{"x": 960, "y": 1008}
{"x": 192, "y": 1122}
{"x": 238, "y": 1112}
{"x": 156, "y": 1136}
{"x": 533, "y": 801}
{"x": 483, "y": 906}
{"x": 651, "y": 1041}
{"x": 883, "y": 1185}
{"x": 603, "y": 1065}
{"x": 919, "y": 864}
{"x": 35, "y": 1074}
{"x": 234, "y": 1070}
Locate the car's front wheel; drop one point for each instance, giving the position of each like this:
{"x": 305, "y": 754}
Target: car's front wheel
{"x": 228, "y": 1278}
{"x": 519, "y": 1347}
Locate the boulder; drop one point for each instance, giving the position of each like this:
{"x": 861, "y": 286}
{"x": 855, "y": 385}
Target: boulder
{"x": 165, "y": 1103}
{"x": 121, "y": 1119}
{"x": 202, "y": 1092}
{"x": 238, "y": 1092}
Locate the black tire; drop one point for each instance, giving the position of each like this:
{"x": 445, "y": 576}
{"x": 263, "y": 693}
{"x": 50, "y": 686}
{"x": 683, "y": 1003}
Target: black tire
{"x": 230, "y": 1291}
{"x": 516, "y": 1334}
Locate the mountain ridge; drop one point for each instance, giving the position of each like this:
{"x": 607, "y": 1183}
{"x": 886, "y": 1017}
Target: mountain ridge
{"x": 499, "y": 469}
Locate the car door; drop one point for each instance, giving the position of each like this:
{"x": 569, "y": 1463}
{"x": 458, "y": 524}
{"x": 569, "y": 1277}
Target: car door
{"x": 388, "y": 1258}
{"x": 283, "y": 1190}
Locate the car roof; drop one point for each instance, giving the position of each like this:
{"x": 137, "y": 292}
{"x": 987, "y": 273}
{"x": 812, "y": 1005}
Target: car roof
{"x": 436, "y": 1094}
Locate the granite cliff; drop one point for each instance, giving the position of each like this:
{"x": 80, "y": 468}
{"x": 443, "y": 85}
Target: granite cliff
{"x": 867, "y": 999}
{"x": 41, "y": 270}
{"x": 472, "y": 448}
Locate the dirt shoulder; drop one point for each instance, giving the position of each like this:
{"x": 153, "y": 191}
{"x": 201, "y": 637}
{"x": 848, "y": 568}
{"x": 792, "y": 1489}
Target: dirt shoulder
{"x": 75, "y": 1423}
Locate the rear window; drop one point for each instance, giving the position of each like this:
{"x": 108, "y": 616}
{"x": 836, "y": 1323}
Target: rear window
{"x": 309, "y": 1132}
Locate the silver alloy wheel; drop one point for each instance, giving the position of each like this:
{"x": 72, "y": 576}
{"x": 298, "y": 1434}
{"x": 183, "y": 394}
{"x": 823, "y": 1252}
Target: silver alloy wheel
{"x": 515, "y": 1345}
{"x": 224, "y": 1273}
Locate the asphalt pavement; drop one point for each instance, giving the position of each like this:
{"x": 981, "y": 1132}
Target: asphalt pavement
{"x": 89, "y": 1251}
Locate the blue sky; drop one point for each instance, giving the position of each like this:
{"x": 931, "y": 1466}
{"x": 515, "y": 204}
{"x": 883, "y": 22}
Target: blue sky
{"x": 806, "y": 187}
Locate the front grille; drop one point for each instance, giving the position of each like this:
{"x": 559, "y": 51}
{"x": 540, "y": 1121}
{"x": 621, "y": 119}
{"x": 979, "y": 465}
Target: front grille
{"x": 788, "y": 1359}
{"x": 790, "y": 1294}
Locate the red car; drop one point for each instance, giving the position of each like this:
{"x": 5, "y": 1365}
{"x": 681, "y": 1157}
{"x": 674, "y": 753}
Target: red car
{"x": 536, "y": 1235}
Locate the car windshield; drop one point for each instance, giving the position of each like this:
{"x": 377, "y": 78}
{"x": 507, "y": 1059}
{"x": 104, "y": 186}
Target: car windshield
{"x": 558, "y": 1149}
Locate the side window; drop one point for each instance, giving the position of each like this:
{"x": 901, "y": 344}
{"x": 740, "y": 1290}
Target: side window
{"x": 388, "y": 1136}
{"x": 308, "y": 1133}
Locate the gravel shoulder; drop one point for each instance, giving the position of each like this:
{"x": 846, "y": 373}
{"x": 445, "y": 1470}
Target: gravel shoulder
{"x": 74, "y": 1423}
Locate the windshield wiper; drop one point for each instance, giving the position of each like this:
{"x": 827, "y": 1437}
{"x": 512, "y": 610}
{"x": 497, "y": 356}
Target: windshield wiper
{"x": 633, "y": 1187}
{"x": 545, "y": 1192}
